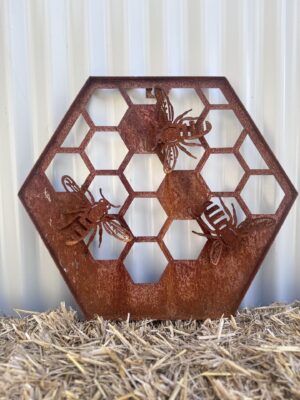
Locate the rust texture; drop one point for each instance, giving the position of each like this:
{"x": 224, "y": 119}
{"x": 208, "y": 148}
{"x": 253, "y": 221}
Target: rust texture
{"x": 223, "y": 229}
{"x": 89, "y": 215}
{"x": 173, "y": 134}
{"x": 235, "y": 234}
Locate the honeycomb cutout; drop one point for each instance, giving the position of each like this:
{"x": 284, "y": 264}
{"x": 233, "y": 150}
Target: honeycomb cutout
{"x": 172, "y": 266}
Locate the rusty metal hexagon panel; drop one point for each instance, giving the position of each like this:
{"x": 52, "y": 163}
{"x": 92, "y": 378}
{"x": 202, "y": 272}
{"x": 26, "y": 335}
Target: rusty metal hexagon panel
{"x": 206, "y": 281}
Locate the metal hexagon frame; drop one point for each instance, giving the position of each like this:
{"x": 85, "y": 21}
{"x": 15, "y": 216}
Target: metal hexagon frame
{"x": 187, "y": 288}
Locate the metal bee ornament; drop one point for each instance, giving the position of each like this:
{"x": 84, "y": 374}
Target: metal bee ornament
{"x": 135, "y": 141}
{"x": 223, "y": 228}
{"x": 90, "y": 216}
{"x": 175, "y": 133}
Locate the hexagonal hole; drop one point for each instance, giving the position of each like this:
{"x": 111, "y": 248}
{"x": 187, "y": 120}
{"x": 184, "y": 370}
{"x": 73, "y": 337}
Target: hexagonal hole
{"x": 138, "y": 96}
{"x": 145, "y": 262}
{"x": 77, "y": 133}
{"x": 110, "y": 248}
{"x": 251, "y": 155}
{"x": 222, "y": 172}
{"x": 185, "y": 162}
{"x": 145, "y": 216}
{"x": 229, "y": 201}
{"x": 184, "y": 99}
{"x": 106, "y": 150}
{"x": 144, "y": 172}
{"x": 226, "y": 128}
{"x": 66, "y": 164}
{"x": 214, "y": 96}
{"x": 112, "y": 188}
{"x": 106, "y": 107}
{"x": 262, "y": 194}
{"x": 182, "y": 243}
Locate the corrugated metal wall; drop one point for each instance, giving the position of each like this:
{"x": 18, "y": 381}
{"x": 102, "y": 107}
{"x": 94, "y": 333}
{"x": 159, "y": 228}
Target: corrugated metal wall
{"x": 49, "y": 48}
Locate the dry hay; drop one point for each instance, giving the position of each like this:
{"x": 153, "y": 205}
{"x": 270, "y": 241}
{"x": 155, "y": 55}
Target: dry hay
{"x": 53, "y": 355}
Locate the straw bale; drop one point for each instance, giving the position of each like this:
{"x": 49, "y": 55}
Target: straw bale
{"x": 54, "y": 355}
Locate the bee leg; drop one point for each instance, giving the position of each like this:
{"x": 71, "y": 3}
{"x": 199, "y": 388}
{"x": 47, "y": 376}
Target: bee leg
{"x": 208, "y": 236}
{"x": 185, "y": 150}
{"x": 234, "y": 215}
{"x": 100, "y": 234}
{"x": 192, "y": 119}
{"x": 91, "y": 238}
{"x": 203, "y": 223}
{"x": 180, "y": 118}
{"x": 191, "y": 144}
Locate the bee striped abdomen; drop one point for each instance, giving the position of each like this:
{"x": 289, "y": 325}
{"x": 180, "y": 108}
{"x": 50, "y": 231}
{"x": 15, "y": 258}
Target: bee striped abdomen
{"x": 215, "y": 216}
{"x": 81, "y": 228}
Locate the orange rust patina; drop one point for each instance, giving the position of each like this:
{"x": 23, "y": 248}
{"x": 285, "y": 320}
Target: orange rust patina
{"x": 213, "y": 282}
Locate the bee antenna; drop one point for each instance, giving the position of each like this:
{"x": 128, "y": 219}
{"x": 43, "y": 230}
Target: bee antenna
{"x": 104, "y": 198}
{"x": 101, "y": 194}
{"x": 197, "y": 233}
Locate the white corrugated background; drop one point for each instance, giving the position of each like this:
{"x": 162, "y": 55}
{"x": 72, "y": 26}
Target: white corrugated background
{"x": 48, "y": 49}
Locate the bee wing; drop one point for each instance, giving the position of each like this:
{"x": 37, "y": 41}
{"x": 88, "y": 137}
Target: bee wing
{"x": 216, "y": 251}
{"x": 89, "y": 197}
{"x": 170, "y": 157}
{"x": 253, "y": 224}
{"x": 164, "y": 108}
{"x": 71, "y": 186}
{"x": 114, "y": 228}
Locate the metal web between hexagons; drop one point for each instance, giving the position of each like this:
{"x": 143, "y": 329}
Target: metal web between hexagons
{"x": 112, "y": 143}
